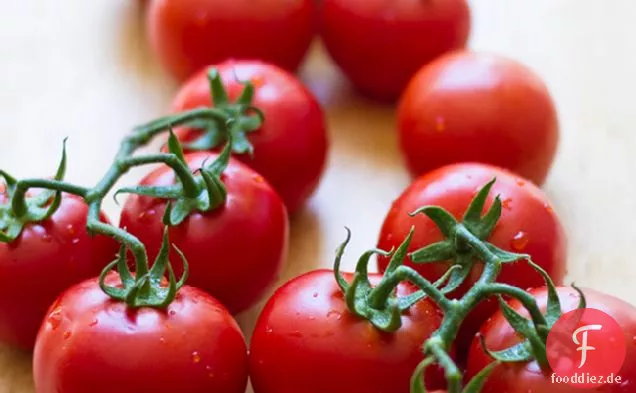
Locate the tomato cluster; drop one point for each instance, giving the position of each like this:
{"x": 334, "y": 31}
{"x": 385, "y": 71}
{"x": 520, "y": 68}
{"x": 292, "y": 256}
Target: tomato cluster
{"x": 450, "y": 307}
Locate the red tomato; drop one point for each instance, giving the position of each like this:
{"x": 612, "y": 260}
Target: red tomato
{"x": 527, "y": 225}
{"x": 380, "y": 44}
{"x": 307, "y": 341}
{"x": 291, "y": 147}
{"x": 526, "y": 377}
{"x": 188, "y": 35}
{"x": 89, "y": 341}
{"x": 46, "y": 259}
{"x": 236, "y": 251}
{"x": 470, "y": 107}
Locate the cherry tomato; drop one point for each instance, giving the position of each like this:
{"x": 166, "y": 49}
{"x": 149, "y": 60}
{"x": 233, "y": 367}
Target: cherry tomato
{"x": 90, "y": 340}
{"x": 46, "y": 259}
{"x": 236, "y": 251}
{"x": 188, "y": 35}
{"x": 472, "y": 107}
{"x": 525, "y": 377}
{"x": 527, "y": 225}
{"x": 291, "y": 147}
{"x": 380, "y": 44}
{"x": 307, "y": 341}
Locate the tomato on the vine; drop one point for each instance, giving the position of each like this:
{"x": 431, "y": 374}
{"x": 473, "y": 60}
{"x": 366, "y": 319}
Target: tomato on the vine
{"x": 476, "y": 107}
{"x": 188, "y": 35}
{"x": 307, "y": 341}
{"x": 290, "y": 148}
{"x": 90, "y": 341}
{"x": 523, "y": 377}
{"x": 47, "y": 258}
{"x": 381, "y": 44}
{"x": 235, "y": 251}
{"x": 528, "y": 225}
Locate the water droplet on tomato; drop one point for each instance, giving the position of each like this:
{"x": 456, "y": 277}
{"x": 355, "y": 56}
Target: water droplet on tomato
{"x": 75, "y": 240}
{"x": 315, "y": 295}
{"x": 548, "y": 208}
{"x": 55, "y": 318}
{"x": 269, "y": 330}
{"x": 521, "y": 182}
{"x": 47, "y": 237}
{"x": 162, "y": 340}
{"x": 196, "y": 358}
{"x": 296, "y": 334}
{"x": 71, "y": 229}
{"x": 520, "y": 241}
{"x": 94, "y": 322}
{"x": 67, "y": 335}
{"x": 258, "y": 179}
{"x": 172, "y": 312}
{"x": 506, "y": 203}
{"x": 334, "y": 313}
{"x": 208, "y": 368}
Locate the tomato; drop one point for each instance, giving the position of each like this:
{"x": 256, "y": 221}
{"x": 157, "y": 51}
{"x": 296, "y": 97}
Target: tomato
{"x": 188, "y": 35}
{"x": 307, "y": 341}
{"x": 525, "y": 377}
{"x": 380, "y": 44}
{"x": 475, "y": 107}
{"x": 90, "y": 340}
{"x": 236, "y": 251}
{"x": 291, "y": 147}
{"x": 527, "y": 225}
{"x": 43, "y": 261}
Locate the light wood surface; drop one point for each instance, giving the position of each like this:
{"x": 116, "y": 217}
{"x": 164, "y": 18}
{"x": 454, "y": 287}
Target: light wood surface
{"x": 81, "y": 69}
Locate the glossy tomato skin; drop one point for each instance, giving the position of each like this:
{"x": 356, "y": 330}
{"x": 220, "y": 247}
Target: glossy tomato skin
{"x": 381, "y": 44}
{"x": 307, "y": 341}
{"x": 527, "y": 225}
{"x": 477, "y": 107}
{"x": 89, "y": 341}
{"x": 234, "y": 252}
{"x": 188, "y": 35}
{"x": 45, "y": 260}
{"x": 525, "y": 377}
{"x": 290, "y": 148}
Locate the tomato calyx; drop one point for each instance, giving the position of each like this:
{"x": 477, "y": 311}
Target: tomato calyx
{"x": 146, "y": 288}
{"x": 465, "y": 240}
{"x": 380, "y": 305}
{"x": 21, "y": 210}
{"x": 533, "y": 347}
{"x": 201, "y": 193}
{"x": 247, "y": 117}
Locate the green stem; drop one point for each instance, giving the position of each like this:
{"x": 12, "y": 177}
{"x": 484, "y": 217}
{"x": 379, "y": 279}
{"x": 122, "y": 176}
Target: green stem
{"x": 22, "y": 187}
{"x": 190, "y": 186}
{"x": 437, "y": 348}
{"x": 526, "y": 299}
{"x": 148, "y": 131}
{"x": 379, "y": 295}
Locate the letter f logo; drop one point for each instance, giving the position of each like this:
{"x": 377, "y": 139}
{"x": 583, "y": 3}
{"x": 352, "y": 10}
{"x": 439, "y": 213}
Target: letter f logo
{"x": 583, "y": 344}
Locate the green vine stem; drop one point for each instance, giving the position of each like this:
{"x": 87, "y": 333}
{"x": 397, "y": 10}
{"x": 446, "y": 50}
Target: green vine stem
{"x": 199, "y": 191}
{"x": 466, "y": 244}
